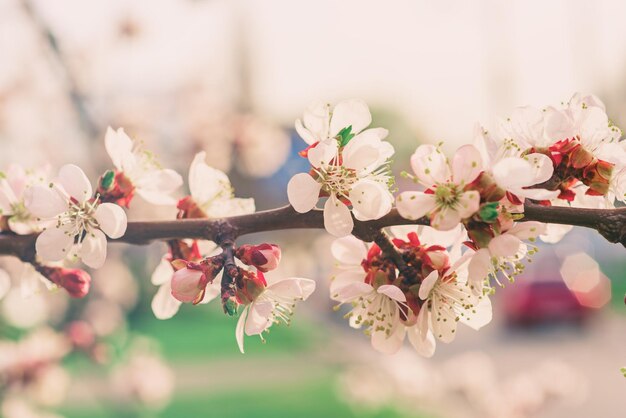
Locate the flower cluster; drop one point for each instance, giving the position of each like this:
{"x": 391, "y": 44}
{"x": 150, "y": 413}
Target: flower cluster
{"x": 349, "y": 166}
{"x": 424, "y": 301}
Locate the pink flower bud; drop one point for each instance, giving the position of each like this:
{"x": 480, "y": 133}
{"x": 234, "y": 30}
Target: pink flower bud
{"x": 188, "y": 285}
{"x": 190, "y": 280}
{"x": 75, "y": 281}
{"x": 264, "y": 257}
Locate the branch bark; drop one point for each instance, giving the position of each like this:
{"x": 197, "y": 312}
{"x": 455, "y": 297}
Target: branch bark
{"x": 610, "y": 223}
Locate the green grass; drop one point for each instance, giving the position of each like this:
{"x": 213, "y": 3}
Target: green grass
{"x": 205, "y": 332}
{"x": 309, "y": 399}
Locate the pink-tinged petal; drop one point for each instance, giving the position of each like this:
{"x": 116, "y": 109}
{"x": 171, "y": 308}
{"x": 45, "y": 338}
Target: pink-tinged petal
{"x": 469, "y": 203}
{"x": 389, "y": 344}
{"x": 53, "y": 244}
{"x": 321, "y": 154}
{"x": 420, "y": 336}
{"x": 337, "y": 218}
{"x": 414, "y": 205}
{"x": 207, "y": 183}
{"x": 430, "y": 165}
{"x": 119, "y": 147}
{"x": 443, "y": 320}
{"x": 359, "y": 155}
{"x": 349, "y": 250}
{"x": 22, "y": 228}
{"x": 370, "y": 200}
{"x": 392, "y": 292}
{"x": 111, "y": 219}
{"x": 479, "y": 268}
{"x": 315, "y": 120}
{"x": 542, "y": 166}
{"x": 346, "y": 278}
{"x": 445, "y": 219}
{"x": 306, "y": 135}
{"x": 527, "y": 230}
{"x": 44, "y": 202}
{"x": 157, "y": 186}
{"x": 5, "y": 283}
{"x": 593, "y": 127}
{"x": 293, "y": 288}
{"x": 164, "y": 305}
{"x": 485, "y": 144}
{"x": 506, "y": 245}
{"x": 353, "y": 113}
{"x": 303, "y": 192}
{"x": 480, "y": 315}
{"x": 526, "y": 126}
{"x": 74, "y": 181}
{"x": 188, "y": 284}
{"x": 241, "y": 323}
{"x": 7, "y": 198}
{"x": 351, "y": 291}
{"x": 93, "y": 250}
{"x": 427, "y": 284}
{"x": 513, "y": 172}
{"x": 259, "y": 317}
{"x": 558, "y": 124}
{"x": 466, "y": 165}
{"x": 162, "y": 273}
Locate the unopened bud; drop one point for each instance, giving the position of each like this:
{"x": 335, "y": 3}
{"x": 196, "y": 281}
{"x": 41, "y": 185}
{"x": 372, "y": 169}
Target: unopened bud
{"x": 116, "y": 187}
{"x": 75, "y": 281}
{"x": 190, "y": 280}
{"x": 249, "y": 286}
{"x": 264, "y": 257}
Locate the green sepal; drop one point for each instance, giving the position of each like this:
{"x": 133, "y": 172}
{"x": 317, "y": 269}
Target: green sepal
{"x": 345, "y": 135}
{"x": 489, "y": 212}
{"x": 106, "y": 181}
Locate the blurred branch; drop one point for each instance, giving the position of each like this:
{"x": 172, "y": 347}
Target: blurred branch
{"x": 610, "y": 223}
{"x": 77, "y": 99}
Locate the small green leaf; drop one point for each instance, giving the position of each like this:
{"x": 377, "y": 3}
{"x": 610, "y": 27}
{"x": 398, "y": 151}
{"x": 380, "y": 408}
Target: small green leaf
{"x": 230, "y": 306}
{"x": 489, "y": 212}
{"x": 106, "y": 181}
{"x": 345, "y": 135}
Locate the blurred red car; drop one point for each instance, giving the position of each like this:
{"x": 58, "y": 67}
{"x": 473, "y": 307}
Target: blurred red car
{"x": 530, "y": 302}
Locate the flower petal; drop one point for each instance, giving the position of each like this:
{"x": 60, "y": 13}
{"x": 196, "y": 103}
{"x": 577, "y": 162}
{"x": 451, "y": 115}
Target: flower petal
{"x": 349, "y": 250}
{"x": 370, "y": 200}
{"x": 303, "y": 192}
{"x": 93, "y": 250}
{"x": 414, "y": 205}
{"x": 164, "y": 305}
{"x": 119, "y": 147}
{"x": 321, "y": 154}
{"x": 506, "y": 245}
{"x": 53, "y": 244}
{"x": 111, "y": 219}
{"x": 513, "y": 172}
{"x": 353, "y": 113}
{"x": 157, "y": 186}
{"x": 350, "y": 291}
{"x": 74, "y": 181}
{"x": 445, "y": 219}
{"x": 479, "y": 267}
{"x": 44, "y": 202}
{"x": 392, "y": 292}
{"x": 527, "y": 230}
{"x": 292, "y": 288}
{"x": 222, "y": 208}
{"x": 427, "y": 284}
{"x": 430, "y": 165}
{"x": 162, "y": 273}
{"x": 241, "y": 323}
{"x": 389, "y": 344}
{"x": 480, "y": 315}
{"x": 469, "y": 203}
{"x": 337, "y": 218}
{"x": 207, "y": 183}
{"x": 259, "y": 317}
{"x": 466, "y": 165}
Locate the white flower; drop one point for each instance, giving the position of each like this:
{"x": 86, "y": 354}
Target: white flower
{"x": 447, "y": 203}
{"x": 212, "y": 192}
{"x": 510, "y": 170}
{"x": 152, "y": 182}
{"x": 80, "y": 221}
{"x": 348, "y": 165}
{"x": 504, "y": 254}
{"x": 275, "y": 304}
{"x": 164, "y": 305}
{"x": 13, "y": 185}
{"x": 448, "y": 300}
{"x": 377, "y": 309}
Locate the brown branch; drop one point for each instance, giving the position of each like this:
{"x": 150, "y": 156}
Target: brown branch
{"x": 610, "y": 223}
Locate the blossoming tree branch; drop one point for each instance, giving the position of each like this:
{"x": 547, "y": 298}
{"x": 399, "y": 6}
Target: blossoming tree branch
{"x": 415, "y": 271}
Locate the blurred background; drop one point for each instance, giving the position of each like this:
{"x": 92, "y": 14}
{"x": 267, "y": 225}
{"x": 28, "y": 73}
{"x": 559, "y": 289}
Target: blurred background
{"x": 230, "y": 77}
